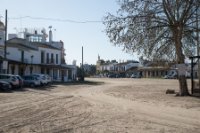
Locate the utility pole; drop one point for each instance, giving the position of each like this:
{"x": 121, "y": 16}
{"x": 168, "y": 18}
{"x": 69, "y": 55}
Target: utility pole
{"x": 197, "y": 26}
{"x": 82, "y": 74}
{"x": 5, "y": 62}
{"x": 31, "y": 68}
{"x": 5, "y": 41}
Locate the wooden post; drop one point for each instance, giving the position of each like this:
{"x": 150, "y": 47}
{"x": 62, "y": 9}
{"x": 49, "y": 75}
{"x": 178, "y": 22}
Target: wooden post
{"x": 192, "y": 77}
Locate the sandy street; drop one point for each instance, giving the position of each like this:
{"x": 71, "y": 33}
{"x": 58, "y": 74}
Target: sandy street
{"x": 101, "y": 106}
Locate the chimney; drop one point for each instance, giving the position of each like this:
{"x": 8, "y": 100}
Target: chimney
{"x": 74, "y": 62}
{"x": 44, "y": 35}
{"x": 50, "y": 34}
{"x": 25, "y": 33}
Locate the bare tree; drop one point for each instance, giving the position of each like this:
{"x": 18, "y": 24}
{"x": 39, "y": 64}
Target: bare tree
{"x": 162, "y": 29}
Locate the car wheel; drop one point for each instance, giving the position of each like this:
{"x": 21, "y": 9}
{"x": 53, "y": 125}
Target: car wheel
{"x": 32, "y": 85}
{"x": 12, "y": 86}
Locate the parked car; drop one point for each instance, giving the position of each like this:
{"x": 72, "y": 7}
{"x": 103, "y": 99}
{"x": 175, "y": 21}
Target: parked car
{"x": 42, "y": 78}
{"x": 172, "y": 74}
{"x": 48, "y": 78}
{"x": 137, "y": 75}
{"x": 21, "y": 81}
{"x": 112, "y": 76}
{"x": 30, "y": 80}
{"x": 122, "y": 75}
{"x": 170, "y": 77}
{"x": 12, "y": 79}
{"x": 5, "y": 86}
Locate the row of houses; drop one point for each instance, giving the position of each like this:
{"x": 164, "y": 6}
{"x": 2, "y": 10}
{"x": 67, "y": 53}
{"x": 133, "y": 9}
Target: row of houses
{"x": 147, "y": 69}
{"x": 32, "y": 53}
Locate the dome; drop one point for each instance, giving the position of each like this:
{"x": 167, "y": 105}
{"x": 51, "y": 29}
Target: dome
{"x": 2, "y": 27}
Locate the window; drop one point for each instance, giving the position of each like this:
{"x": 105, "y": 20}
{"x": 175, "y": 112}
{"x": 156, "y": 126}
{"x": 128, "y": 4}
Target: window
{"x": 56, "y": 58}
{"x": 47, "y": 58}
{"x": 153, "y": 73}
{"x": 22, "y": 56}
{"x": 42, "y": 56}
{"x": 52, "y": 60}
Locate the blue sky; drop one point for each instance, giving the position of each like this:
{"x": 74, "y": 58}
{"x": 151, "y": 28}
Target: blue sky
{"x": 74, "y": 35}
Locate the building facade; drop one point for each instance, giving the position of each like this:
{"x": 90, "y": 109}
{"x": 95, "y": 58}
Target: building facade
{"x": 33, "y": 54}
{"x": 113, "y": 66}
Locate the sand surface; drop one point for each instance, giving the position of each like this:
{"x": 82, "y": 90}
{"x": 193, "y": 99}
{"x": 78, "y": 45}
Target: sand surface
{"x": 115, "y": 106}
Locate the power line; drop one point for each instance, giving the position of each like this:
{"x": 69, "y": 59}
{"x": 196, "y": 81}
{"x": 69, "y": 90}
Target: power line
{"x": 56, "y": 19}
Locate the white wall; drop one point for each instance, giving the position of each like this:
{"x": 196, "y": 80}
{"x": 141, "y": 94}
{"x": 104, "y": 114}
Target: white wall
{"x": 15, "y": 54}
{"x": 2, "y": 33}
{"x": 50, "y": 51}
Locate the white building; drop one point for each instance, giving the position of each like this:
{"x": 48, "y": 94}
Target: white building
{"x": 124, "y": 67}
{"x": 113, "y": 66}
{"x": 32, "y": 54}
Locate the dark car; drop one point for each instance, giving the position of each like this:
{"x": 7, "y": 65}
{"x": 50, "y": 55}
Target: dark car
{"x": 112, "y": 76}
{"x": 31, "y": 81}
{"x": 5, "y": 86}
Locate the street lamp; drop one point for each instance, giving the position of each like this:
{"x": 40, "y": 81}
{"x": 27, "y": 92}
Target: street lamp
{"x": 31, "y": 68}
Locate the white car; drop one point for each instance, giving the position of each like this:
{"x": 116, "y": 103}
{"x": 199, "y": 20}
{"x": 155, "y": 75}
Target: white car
{"x": 135, "y": 76}
{"x": 30, "y": 80}
{"x": 12, "y": 79}
{"x": 48, "y": 78}
{"x": 42, "y": 78}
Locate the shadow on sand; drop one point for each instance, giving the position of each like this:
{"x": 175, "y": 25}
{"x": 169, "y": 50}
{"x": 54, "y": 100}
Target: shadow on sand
{"x": 53, "y": 86}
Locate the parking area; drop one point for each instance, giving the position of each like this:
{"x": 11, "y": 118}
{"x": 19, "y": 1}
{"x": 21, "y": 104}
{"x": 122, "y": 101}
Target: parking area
{"x": 10, "y": 82}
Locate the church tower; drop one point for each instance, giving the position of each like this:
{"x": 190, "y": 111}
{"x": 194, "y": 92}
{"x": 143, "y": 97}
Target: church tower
{"x": 98, "y": 64}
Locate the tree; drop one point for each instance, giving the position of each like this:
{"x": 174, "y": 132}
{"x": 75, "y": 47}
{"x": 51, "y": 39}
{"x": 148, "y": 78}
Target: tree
{"x": 161, "y": 29}
{"x": 89, "y": 70}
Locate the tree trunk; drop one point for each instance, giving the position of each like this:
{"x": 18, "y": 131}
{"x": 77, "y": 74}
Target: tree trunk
{"x": 183, "y": 88}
